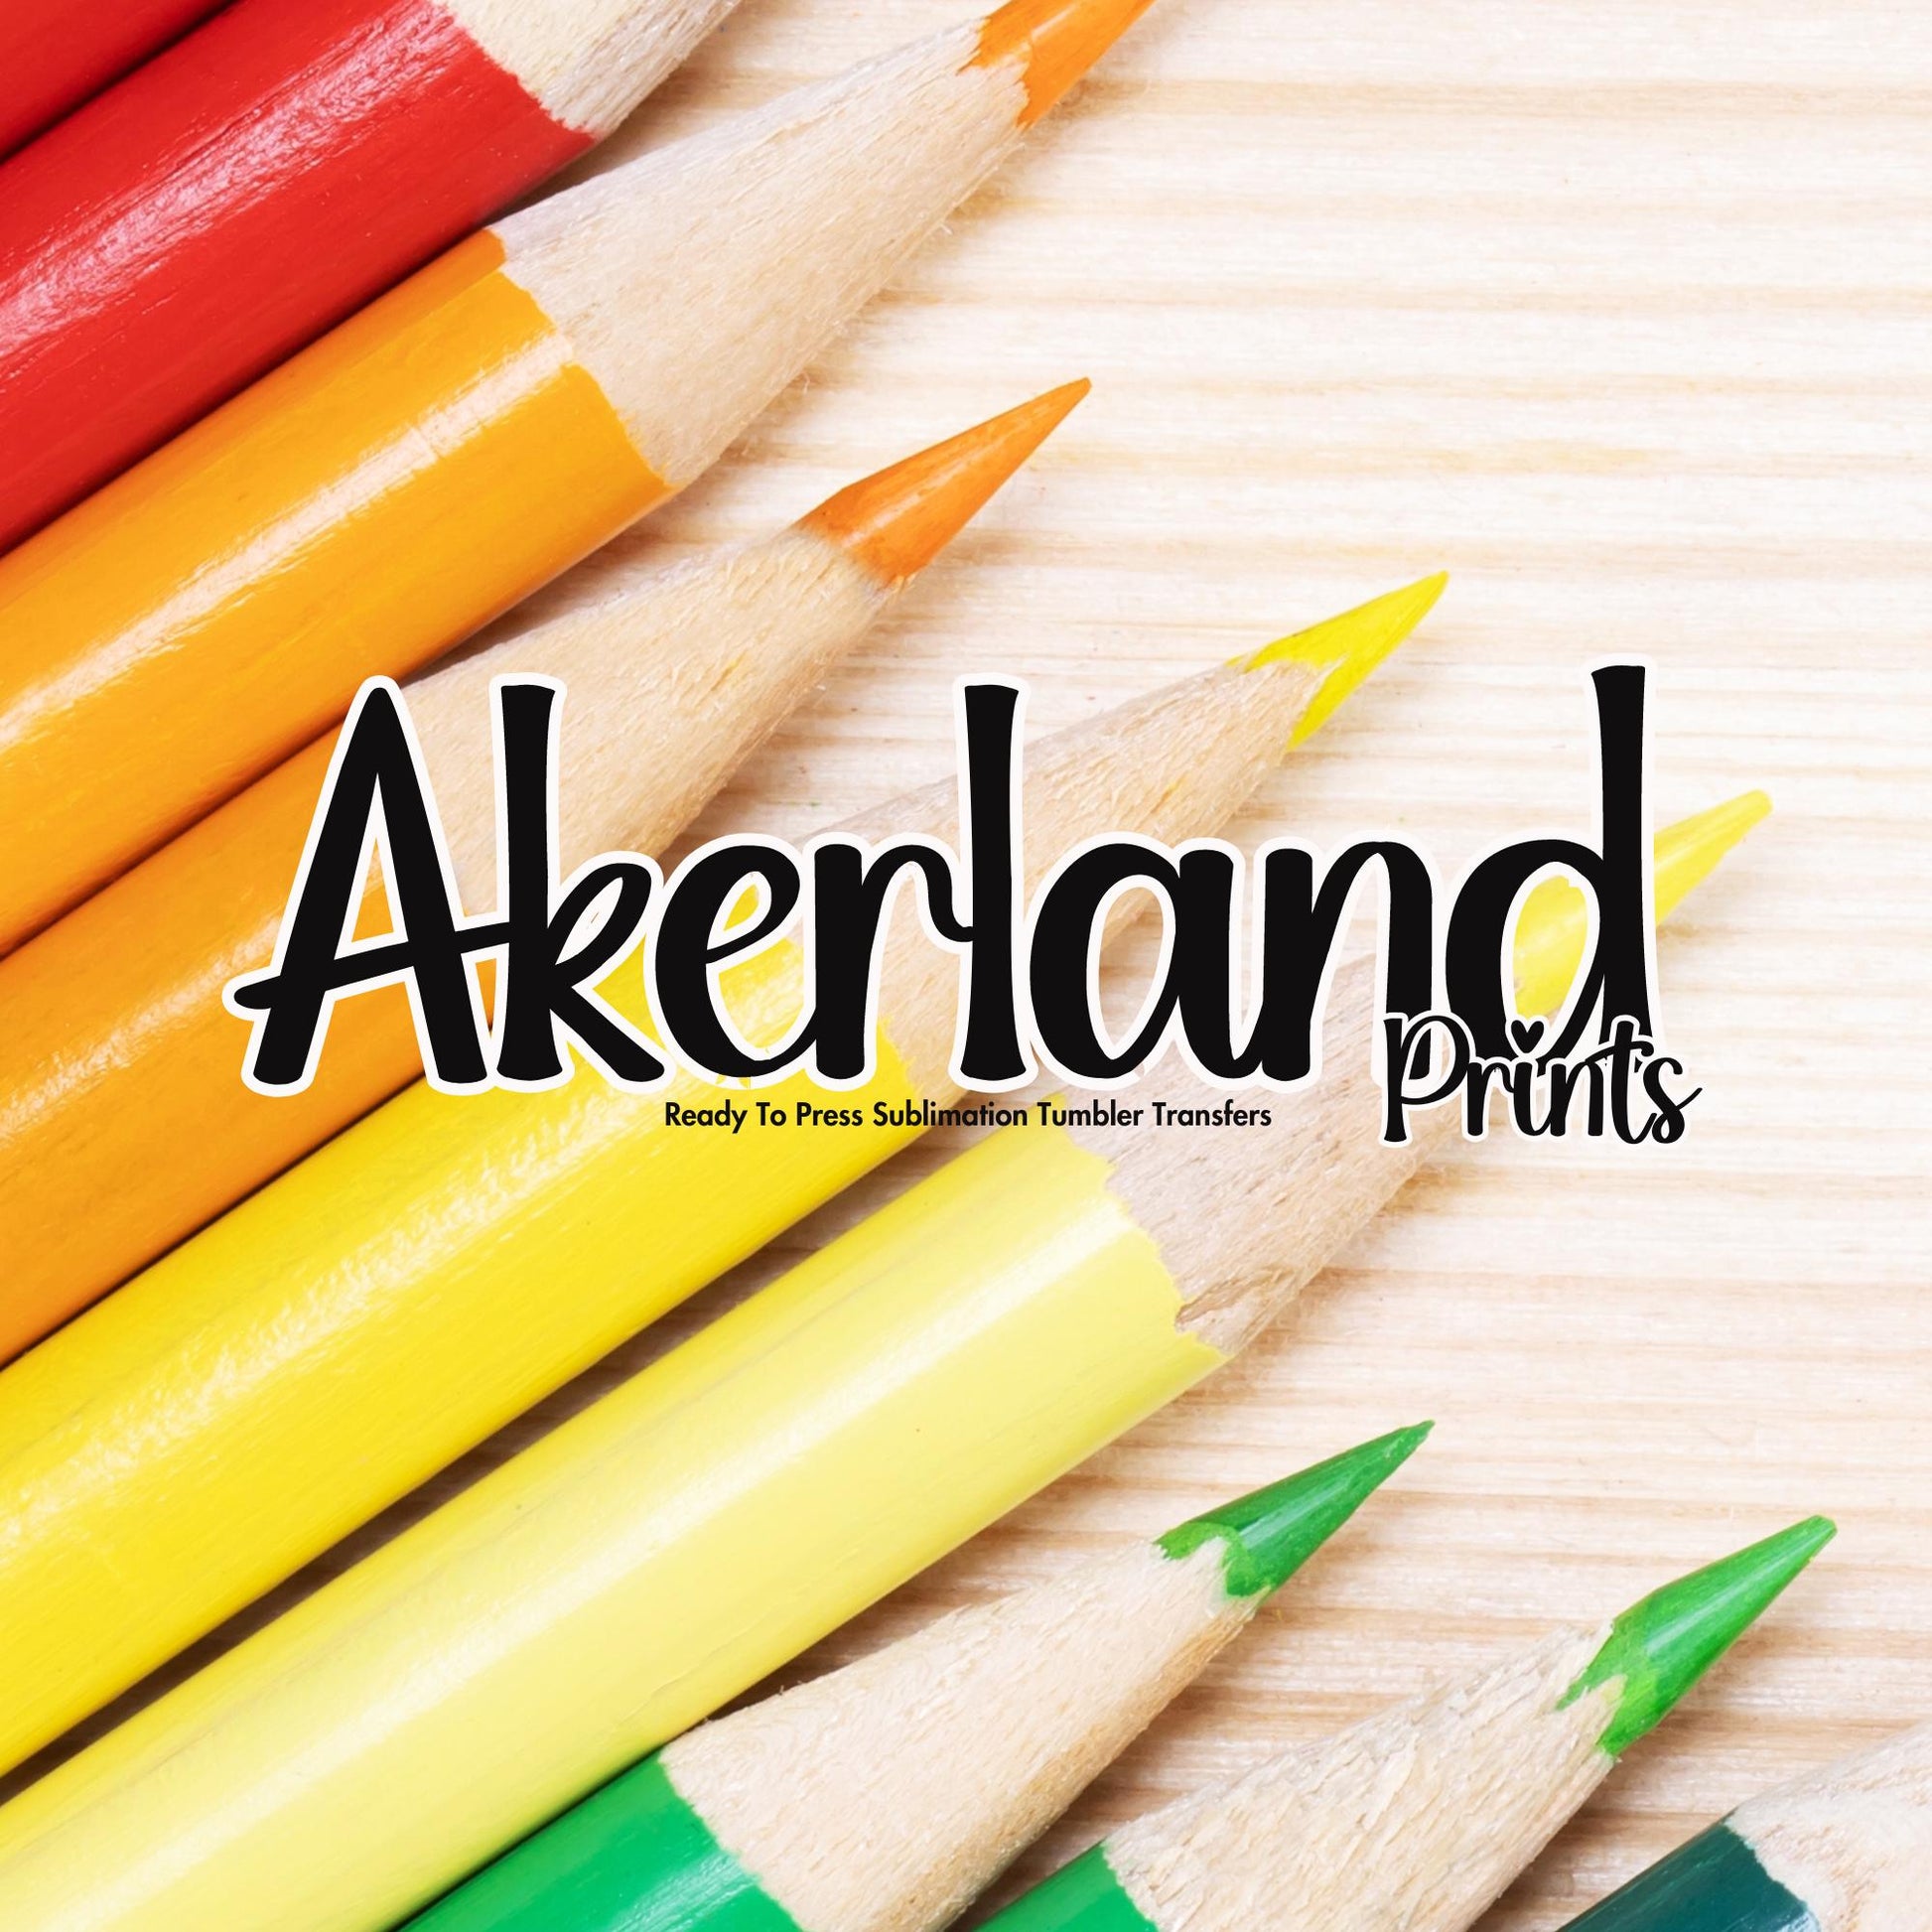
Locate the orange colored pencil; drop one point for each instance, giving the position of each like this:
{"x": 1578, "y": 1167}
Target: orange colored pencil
{"x": 438, "y": 456}
{"x": 125, "y": 1123}
{"x": 260, "y": 182}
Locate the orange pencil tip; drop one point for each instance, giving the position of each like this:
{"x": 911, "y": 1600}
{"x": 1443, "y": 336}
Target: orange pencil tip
{"x": 896, "y": 522}
{"x": 1057, "y": 39}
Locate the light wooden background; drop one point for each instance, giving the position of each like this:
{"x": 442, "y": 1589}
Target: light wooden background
{"x": 1624, "y": 313}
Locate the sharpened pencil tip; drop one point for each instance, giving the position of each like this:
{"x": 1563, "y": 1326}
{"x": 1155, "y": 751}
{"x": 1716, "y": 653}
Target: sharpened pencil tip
{"x": 896, "y": 522}
{"x": 1058, "y": 41}
{"x": 1348, "y": 648}
{"x": 1688, "y": 853}
{"x": 1660, "y": 1647}
{"x": 1269, "y": 1535}
{"x": 1554, "y": 920}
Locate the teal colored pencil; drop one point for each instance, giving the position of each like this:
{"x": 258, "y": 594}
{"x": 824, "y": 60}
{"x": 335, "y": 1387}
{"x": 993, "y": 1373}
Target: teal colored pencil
{"x": 1847, "y": 1848}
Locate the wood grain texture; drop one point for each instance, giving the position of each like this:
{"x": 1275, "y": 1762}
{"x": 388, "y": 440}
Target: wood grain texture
{"x": 1620, "y": 314}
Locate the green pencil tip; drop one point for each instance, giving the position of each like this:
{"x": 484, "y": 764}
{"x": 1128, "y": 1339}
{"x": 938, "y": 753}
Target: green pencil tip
{"x": 1658, "y": 1648}
{"x": 1269, "y": 1535}
{"x": 1345, "y": 650}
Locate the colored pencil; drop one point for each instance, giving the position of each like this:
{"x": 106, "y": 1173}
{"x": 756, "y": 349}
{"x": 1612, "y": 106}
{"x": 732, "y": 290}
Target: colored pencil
{"x": 1420, "y": 1816}
{"x": 54, "y": 54}
{"x": 126, "y": 1125}
{"x": 470, "y": 434}
{"x": 677, "y": 1540}
{"x": 229, "y": 202}
{"x": 375, "y": 1312}
{"x": 891, "y": 1793}
{"x": 1846, "y": 1849}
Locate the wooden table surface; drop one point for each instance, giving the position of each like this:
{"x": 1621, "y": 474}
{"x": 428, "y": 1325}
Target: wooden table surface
{"x": 1620, "y": 314}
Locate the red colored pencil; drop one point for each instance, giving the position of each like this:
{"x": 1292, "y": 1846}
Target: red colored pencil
{"x": 229, "y": 202}
{"x": 53, "y": 54}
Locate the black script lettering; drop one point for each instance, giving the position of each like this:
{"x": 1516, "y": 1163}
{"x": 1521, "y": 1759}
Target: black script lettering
{"x": 1619, "y": 971}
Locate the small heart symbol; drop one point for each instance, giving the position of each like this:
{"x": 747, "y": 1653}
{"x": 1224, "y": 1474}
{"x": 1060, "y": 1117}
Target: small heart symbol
{"x": 1527, "y": 1033}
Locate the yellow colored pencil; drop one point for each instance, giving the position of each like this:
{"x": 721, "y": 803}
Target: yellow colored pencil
{"x": 388, "y": 1302}
{"x": 123, "y": 1123}
{"x": 884, "y": 1796}
{"x": 679, "y": 1539}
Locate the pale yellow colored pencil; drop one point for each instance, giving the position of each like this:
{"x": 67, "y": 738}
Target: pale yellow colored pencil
{"x": 885, "y": 1796}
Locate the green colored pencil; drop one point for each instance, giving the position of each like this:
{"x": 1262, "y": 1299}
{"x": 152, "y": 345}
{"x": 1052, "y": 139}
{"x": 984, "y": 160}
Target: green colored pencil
{"x": 886, "y": 1794}
{"x": 1847, "y": 1848}
{"x": 1422, "y": 1816}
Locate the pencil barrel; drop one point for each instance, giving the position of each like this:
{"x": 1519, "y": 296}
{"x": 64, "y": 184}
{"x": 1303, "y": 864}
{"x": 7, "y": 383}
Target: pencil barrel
{"x": 222, "y": 206}
{"x": 358, "y": 511}
{"x": 1083, "y": 1896}
{"x": 1715, "y": 1884}
{"x": 129, "y": 1122}
{"x": 582, "y": 1873}
{"x": 642, "y": 1564}
{"x": 417, "y": 1283}
{"x": 54, "y": 54}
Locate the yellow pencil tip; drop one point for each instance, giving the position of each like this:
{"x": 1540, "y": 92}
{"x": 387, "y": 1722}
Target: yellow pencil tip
{"x": 1345, "y": 650}
{"x": 1554, "y": 920}
{"x": 1057, "y": 39}
{"x": 1690, "y": 851}
{"x": 896, "y": 522}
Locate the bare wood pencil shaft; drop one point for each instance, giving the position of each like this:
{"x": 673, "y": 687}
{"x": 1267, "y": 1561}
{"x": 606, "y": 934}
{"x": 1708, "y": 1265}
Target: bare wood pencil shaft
{"x": 1287, "y": 1196}
{"x": 1036, "y": 1692}
{"x": 1419, "y": 1817}
{"x": 1853, "y": 1841}
{"x": 591, "y": 63}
